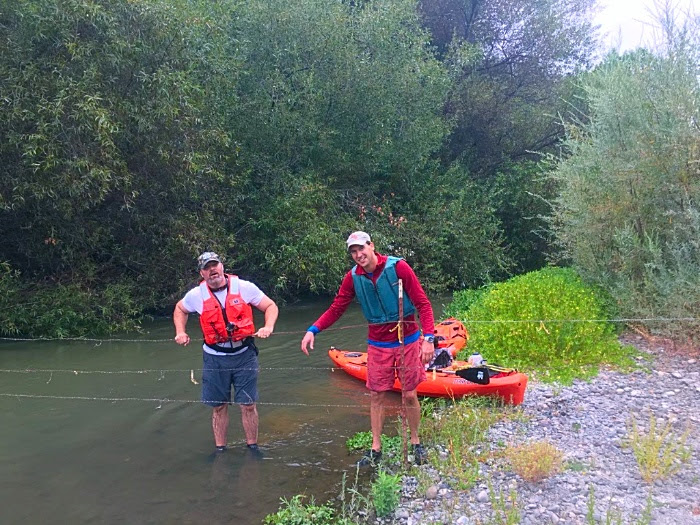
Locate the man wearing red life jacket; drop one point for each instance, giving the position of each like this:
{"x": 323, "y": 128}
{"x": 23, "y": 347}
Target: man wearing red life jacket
{"x": 374, "y": 282}
{"x": 229, "y": 353}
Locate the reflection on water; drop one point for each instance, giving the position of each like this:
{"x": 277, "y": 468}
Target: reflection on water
{"x": 101, "y": 447}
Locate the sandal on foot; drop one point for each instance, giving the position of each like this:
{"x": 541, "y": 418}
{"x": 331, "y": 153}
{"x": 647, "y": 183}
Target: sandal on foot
{"x": 371, "y": 457}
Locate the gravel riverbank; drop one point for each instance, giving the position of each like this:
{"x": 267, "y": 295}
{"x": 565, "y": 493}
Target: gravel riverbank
{"x": 588, "y": 421}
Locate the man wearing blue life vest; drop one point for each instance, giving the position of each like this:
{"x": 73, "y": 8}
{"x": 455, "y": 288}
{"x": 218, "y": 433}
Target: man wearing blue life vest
{"x": 229, "y": 353}
{"x": 374, "y": 281}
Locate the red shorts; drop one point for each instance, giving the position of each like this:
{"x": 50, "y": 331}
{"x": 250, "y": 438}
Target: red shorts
{"x": 384, "y": 367}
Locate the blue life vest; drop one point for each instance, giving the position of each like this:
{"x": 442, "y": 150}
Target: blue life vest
{"x": 380, "y": 301}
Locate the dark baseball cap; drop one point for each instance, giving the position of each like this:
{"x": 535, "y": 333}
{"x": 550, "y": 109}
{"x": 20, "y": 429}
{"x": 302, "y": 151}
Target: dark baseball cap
{"x": 206, "y": 258}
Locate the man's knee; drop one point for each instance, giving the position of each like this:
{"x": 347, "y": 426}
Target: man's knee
{"x": 411, "y": 397}
{"x": 221, "y": 409}
{"x": 377, "y": 397}
{"x": 248, "y": 409}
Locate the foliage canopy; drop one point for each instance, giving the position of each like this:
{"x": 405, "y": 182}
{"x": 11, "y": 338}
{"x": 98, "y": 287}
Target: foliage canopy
{"x": 136, "y": 134}
{"x": 548, "y": 320}
{"x": 627, "y": 214}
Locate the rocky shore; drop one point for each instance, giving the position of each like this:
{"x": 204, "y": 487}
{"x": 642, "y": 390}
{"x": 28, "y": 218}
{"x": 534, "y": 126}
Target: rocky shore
{"x": 588, "y": 421}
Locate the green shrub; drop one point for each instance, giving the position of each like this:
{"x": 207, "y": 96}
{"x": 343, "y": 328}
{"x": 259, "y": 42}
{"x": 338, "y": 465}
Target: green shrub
{"x": 363, "y": 441}
{"x": 61, "y": 310}
{"x": 548, "y": 320}
{"x": 659, "y": 453}
{"x": 627, "y": 214}
{"x": 294, "y": 512}
{"x": 386, "y": 492}
{"x": 462, "y": 300}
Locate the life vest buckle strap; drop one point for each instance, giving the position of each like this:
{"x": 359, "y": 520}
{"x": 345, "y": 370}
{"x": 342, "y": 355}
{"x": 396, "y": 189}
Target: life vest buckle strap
{"x": 399, "y": 327}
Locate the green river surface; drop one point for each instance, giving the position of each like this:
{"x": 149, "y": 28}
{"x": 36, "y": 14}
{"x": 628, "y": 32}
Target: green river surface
{"x": 113, "y": 432}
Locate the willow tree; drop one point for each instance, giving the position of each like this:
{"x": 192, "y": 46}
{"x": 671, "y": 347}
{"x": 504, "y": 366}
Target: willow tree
{"x": 628, "y": 215}
{"x": 110, "y": 154}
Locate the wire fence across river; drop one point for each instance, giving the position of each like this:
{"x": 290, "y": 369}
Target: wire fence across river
{"x": 99, "y": 342}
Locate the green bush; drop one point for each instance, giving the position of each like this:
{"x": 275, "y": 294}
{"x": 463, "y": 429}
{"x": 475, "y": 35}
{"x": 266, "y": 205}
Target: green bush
{"x": 363, "y": 441}
{"x": 462, "y": 300}
{"x": 60, "y": 310}
{"x": 627, "y": 213}
{"x": 548, "y": 320}
{"x": 294, "y": 512}
{"x": 386, "y": 493}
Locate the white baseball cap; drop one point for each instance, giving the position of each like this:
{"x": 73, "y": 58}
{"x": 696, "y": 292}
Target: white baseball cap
{"x": 358, "y": 238}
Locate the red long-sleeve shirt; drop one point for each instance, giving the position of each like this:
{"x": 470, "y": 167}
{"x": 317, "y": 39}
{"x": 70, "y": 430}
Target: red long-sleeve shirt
{"x": 384, "y": 332}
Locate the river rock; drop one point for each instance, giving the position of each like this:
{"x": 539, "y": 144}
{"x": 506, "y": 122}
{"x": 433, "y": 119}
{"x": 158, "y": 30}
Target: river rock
{"x": 589, "y": 422}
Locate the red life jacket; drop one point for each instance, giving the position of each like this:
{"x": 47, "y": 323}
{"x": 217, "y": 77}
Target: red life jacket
{"x": 213, "y": 318}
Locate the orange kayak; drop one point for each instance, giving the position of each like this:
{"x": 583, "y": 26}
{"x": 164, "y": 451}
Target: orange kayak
{"x": 451, "y": 335}
{"x": 509, "y": 386}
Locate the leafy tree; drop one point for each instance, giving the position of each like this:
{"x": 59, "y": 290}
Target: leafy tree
{"x": 520, "y": 194}
{"x": 351, "y": 92}
{"x": 451, "y": 236}
{"x": 110, "y": 150}
{"x": 628, "y": 215}
{"x": 509, "y": 59}
{"x": 340, "y": 119}
{"x": 510, "y": 63}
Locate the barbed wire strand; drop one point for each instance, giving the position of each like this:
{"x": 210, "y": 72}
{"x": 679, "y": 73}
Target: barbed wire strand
{"x": 162, "y": 372}
{"x": 293, "y": 332}
{"x": 76, "y": 371}
{"x": 170, "y": 400}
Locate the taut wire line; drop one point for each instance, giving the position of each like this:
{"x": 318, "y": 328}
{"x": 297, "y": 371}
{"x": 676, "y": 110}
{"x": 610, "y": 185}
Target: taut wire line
{"x": 162, "y": 400}
{"x": 169, "y": 340}
{"x": 77, "y": 371}
{"x": 331, "y": 329}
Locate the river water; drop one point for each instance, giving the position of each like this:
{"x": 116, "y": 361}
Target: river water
{"x": 113, "y": 432}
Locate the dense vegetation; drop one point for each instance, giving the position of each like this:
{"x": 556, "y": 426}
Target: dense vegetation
{"x": 547, "y": 321}
{"x": 627, "y": 212}
{"x": 136, "y": 134}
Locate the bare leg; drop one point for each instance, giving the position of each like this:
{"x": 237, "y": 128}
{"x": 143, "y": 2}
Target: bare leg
{"x": 412, "y": 414}
{"x": 249, "y": 417}
{"x": 219, "y": 422}
{"x": 376, "y": 417}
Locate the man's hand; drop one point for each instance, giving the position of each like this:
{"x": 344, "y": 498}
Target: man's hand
{"x": 263, "y": 332}
{"x": 182, "y": 338}
{"x": 427, "y": 351}
{"x": 307, "y": 342}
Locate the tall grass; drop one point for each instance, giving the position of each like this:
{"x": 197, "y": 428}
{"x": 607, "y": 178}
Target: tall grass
{"x": 659, "y": 452}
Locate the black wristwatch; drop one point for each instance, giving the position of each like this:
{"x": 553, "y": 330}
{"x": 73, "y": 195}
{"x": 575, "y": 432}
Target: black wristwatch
{"x": 430, "y": 339}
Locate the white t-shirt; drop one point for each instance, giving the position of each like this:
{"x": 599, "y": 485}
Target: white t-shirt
{"x": 193, "y": 302}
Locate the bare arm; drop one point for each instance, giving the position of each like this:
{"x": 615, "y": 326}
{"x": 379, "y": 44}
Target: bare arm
{"x": 271, "y": 311}
{"x": 180, "y": 316}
